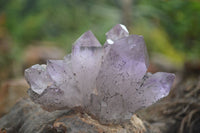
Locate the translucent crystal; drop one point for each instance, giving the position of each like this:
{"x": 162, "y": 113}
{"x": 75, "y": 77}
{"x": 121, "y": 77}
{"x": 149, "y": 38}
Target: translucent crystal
{"x": 63, "y": 91}
{"x": 87, "y": 60}
{"x": 157, "y": 85}
{"x": 117, "y": 32}
{"x": 86, "y": 40}
{"x": 38, "y": 78}
{"x": 108, "y": 82}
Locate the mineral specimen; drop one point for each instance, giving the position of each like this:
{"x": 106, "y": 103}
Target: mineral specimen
{"x": 109, "y": 82}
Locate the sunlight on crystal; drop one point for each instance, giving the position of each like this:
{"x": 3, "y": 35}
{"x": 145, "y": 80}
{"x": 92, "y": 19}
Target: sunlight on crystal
{"x": 110, "y": 41}
{"x": 124, "y": 28}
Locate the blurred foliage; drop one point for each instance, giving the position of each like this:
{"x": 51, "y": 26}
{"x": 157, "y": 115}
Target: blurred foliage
{"x": 169, "y": 27}
{"x": 62, "y": 20}
{"x": 159, "y": 41}
{"x": 178, "y": 19}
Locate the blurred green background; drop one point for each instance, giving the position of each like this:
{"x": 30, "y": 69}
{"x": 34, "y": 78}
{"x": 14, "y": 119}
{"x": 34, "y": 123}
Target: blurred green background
{"x": 28, "y": 28}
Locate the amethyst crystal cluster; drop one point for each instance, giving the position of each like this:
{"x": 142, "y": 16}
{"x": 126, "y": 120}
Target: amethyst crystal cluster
{"x": 109, "y": 82}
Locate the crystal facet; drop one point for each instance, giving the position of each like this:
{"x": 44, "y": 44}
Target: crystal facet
{"x": 109, "y": 82}
{"x": 38, "y": 78}
{"x": 86, "y": 40}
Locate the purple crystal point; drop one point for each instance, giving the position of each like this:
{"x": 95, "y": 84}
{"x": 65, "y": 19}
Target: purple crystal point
{"x": 38, "y": 78}
{"x": 156, "y": 86}
{"x": 117, "y": 32}
{"x": 109, "y": 82}
{"x": 86, "y": 40}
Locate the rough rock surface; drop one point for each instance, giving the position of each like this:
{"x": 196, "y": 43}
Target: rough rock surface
{"x": 28, "y": 117}
{"x": 10, "y": 92}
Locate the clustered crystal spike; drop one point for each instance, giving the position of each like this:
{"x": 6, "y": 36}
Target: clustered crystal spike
{"x": 109, "y": 82}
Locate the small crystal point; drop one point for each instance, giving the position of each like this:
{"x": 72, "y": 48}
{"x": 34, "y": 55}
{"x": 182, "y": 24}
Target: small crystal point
{"x": 38, "y": 78}
{"x": 117, "y": 32}
{"x": 152, "y": 88}
{"x": 86, "y": 40}
{"x": 157, "y": 86}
